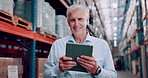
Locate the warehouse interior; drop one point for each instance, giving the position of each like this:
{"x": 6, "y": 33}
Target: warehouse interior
{"x": 29, "y": 27}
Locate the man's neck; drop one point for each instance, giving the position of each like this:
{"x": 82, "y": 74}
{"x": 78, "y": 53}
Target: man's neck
{"x": 80, "y": 38}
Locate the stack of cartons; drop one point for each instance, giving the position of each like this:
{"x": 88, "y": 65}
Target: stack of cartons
{"x": 121, "y": 46}
{"x": 145, "y": 28}
{"x": 48, "y": 18}
{"x": 9, "y": 65}
{"x": 7, "y": 5}
{"x": 40, "y": 67}
{"x": 124, "y": 43}
{"x": 130, "y": 13}
{"x": 45, "y": 15}
{"x": 62, "y": 28}
{"x": 132, "y": 34}
{"x": 144, "y": 8}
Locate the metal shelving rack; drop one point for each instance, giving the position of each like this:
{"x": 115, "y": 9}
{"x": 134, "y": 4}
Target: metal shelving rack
{"x": 31, "y": 36}
{"x": 141, "y": 43}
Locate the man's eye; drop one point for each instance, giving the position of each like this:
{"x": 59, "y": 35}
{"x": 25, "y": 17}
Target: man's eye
{"x": 80, "y": 19}
{"x": 72, "y": 20}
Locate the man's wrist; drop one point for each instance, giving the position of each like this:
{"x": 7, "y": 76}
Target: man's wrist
{"x": 98, "y": 71}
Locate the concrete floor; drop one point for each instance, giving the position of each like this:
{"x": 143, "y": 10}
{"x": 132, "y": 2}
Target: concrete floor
{"x": 125, "y": 74}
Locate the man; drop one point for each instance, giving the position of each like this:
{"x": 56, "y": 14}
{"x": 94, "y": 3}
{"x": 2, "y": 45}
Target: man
{"x": 100, "y": 65}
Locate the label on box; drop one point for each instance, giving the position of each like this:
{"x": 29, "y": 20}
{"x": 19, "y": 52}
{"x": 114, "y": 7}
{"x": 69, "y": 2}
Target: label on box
{"x": 12, "y": 71}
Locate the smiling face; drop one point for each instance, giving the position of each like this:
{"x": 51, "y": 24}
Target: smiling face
{"x": 78, "y": 22}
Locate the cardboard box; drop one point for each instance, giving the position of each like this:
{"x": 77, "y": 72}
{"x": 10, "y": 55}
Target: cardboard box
{"x": 40, "y": 62}
{"x": 10, "y": 61}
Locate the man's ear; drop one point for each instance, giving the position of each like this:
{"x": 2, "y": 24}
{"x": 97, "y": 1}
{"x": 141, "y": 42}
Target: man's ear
{"x": 87, "y": 21}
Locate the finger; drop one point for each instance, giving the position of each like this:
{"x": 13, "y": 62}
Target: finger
{"x": 64, "y": 68}
{"x": 68, "y": 62}
{"x": 69, "y": 66}
{"x": 65, "y": 58}
{"x": 66, "y": 65}
{"x": 89, "y": 68}
{"x": 86, "y": 61}
{"x": 87, "y": 58}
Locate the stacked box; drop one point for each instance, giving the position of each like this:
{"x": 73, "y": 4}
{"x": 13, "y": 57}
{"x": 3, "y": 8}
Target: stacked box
{"x": 132, "y": 26}
{"x": 40, "y": 67}
{"x": 89, "y": 2}
{"x": 19, "y": 9}
{"x": 143, "y": 5}
{"x": 124, "y": 43}
{"x": 121, "y": 46}
{"x": 82, "y": 2}
{"x": 145, "y": 28}
{"x": 6, "y": 62}
{"x": 130, "y": 13}
{"x": 62, "y": 28}
{"x": 7, "y": 5}
{"x": 134, "y": 42}
{"x": 48, "y": 19}
{"x": 45, "y": 14}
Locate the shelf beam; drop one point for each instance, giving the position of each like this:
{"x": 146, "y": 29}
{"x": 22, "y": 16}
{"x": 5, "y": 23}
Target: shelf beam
{"x": 11, "y": 29}
{"x": 64, "y": 3}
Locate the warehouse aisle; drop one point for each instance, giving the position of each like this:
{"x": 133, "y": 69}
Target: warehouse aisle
{"x": 125, "y": 74}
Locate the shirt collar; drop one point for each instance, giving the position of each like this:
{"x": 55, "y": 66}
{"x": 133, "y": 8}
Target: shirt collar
{"x": 88, "y": 39}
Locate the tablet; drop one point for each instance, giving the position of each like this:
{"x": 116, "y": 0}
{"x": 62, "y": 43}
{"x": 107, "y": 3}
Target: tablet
{"x": 75, "y": 50}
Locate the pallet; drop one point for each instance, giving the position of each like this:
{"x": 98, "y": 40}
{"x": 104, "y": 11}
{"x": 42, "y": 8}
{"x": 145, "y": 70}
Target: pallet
{"x": 23, "y": 23}
{"x": 15, "y": 20}
{"x": 45, "y": 33}
{"x": 6, "y": 17}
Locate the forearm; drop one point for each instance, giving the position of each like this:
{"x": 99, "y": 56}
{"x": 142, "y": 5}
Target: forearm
{"x": 51, "y": 72}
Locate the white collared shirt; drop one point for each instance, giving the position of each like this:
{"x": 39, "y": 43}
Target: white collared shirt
{"x": 101, "y": 52}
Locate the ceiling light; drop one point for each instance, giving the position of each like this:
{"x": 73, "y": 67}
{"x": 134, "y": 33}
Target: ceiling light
{"x": 115, "y": 19}
{"x": 115, "y": 5}
{"x": 115, "y": 38}
{"x": 115, "y": 41}
{"x": 115, "y": 34}
{"x": 115, "y": 28}
{"x": 96, "y": 29}
{"x": 115, "y": 44}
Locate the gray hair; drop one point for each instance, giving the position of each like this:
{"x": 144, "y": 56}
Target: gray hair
{"x": 78, "y": 6}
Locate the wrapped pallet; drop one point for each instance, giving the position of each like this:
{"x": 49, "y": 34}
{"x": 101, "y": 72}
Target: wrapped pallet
{"x": 145, "y": 28}
{"x": 23, "y": 9}
{"x": 62, "y": 28}
{"x": 48, "y": 19}
{"x": 130, "y": 13}
{"x": 7, "y": 5}
{"x": 143, "y": 4}
{"x": 45, "y": 15}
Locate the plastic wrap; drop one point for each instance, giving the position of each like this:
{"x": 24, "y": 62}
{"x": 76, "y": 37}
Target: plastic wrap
{"x": 7, "y": 5}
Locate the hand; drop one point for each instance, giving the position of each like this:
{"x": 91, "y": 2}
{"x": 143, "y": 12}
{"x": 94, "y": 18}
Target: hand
{"x": 89, "y": 63}
{"x": 66, "y": 63}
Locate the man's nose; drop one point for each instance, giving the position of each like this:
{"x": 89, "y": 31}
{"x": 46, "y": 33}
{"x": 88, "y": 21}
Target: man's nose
{"x": 76, "y": 22}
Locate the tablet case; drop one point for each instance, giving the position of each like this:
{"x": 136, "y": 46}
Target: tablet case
{"x": 75, "y": 50}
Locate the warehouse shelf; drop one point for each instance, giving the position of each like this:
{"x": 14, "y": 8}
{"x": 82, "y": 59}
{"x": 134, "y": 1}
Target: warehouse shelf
{"x": 146, "y": 42}
{"x": 9, "y": 28}
{"x": 134, "y": 34}
{"x": 64, "y": 3}
{"x": 135, "y": 49}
